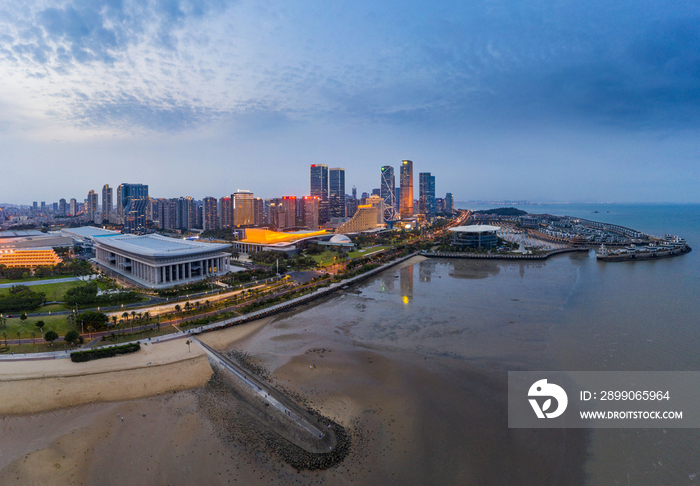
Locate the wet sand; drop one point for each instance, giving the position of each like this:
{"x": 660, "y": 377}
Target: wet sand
{"x": 414, "y": 416}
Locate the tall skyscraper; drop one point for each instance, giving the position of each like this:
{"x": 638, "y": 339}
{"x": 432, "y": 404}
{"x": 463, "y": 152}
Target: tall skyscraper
{"x": 243, "y": 210}
{"x": 35, "y": 208}
{"x": 62, "y": 207}
{"x": 387, "y": 191}
{"x": 449, "y": 203}
{"x": 319, "y": 188}
{"x": 406, "y": 189}
{"x": 106, "y": 202}
{"x": 91, "y": 205}
{"x": 426, "y": 194}
{"x": 336, "y": 193}
{"x": 43, "y": 207}
{"x": 73, "y": 208}
{"x": 210, "y": 218}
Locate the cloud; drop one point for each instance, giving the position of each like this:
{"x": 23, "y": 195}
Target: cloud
{"x": 133, "y": 114}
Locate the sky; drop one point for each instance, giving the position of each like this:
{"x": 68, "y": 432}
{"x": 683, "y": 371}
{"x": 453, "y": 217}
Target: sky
{"x": 539, "y": 100}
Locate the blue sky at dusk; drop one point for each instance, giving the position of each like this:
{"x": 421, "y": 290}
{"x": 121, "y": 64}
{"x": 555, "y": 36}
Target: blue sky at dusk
{"x": 554, "y": 101}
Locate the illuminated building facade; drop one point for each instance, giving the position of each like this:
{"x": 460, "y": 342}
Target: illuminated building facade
{"x": 406, "y": 189}
{"x": 243, "y": 209}
{"x": 29, "y": 257}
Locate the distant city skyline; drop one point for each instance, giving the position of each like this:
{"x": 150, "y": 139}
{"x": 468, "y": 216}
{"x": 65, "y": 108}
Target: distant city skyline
{"x": 568, "y": 101}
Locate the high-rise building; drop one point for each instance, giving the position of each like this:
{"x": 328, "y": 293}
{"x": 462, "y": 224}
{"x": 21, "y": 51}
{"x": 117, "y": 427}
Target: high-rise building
{"x": 387, "y": 191}
{"x": 449, "y": 203}
{"x": 91, "y": 205}
{"x": 135, "y": 215}
{"x": 351, "y": 207}
{"x": 354, "y": 192}
{"x": 210, "y": 218}
{"x": 106, "y": 202}
{"x": 406, "y": 189}
{"x": 336, "y": 192}
{"x": 43, "y": 207}
{"x": 62, "y": 207}
{"x": 128, "y": 192}
{"x": 319, "y": 188}
{"x": 243, "y": 210}
{"x": 55, "y": 207}
{"x": 35, "y": 208}
{"x": 426, "y": 194}
{"x": 258, "y": 211}
{"x": 200, "y": 216}
{"x": 225, "y": 213}
{"x": 73, "y": 207}
{"x": 287, "y": 216}
{"x": 311, "y": 204}
{"x": 271, "y": 211}
{"x": 186, "y": 213}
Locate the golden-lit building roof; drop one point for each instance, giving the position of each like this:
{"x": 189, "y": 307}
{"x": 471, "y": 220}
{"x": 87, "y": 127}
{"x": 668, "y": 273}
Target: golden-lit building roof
{"x": 267, "y": 237}
{"x": 29, "y": 257}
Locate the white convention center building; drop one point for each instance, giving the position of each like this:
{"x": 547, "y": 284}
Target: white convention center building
{"x": 156, "y": 261}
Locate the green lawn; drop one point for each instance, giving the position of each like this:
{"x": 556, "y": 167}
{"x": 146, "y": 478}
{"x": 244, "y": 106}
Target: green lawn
{"x": 366, "y": 252}
{"x": 39, "y": 347}
{"x": 326, "y": 258}
{"x": 60, "y": 324}
{"x": 54, "y": 292}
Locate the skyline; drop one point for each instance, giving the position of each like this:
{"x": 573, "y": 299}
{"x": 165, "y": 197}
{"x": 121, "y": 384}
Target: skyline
{"x": 571, "y": 102}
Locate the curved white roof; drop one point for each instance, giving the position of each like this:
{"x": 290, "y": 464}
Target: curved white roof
{"x": 155, "y": 245}
{"x": 475, "y": 228}
{"x": 340, "y": 239}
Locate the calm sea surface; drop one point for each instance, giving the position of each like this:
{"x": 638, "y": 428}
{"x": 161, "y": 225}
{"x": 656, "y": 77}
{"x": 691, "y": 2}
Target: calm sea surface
{"x": 567, "y": 313}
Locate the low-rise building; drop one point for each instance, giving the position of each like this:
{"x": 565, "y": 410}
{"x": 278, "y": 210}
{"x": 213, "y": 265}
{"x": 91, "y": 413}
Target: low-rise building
{"x": 156, "y": 261}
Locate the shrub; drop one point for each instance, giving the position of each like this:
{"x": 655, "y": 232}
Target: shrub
{"x": 99, "y": 353}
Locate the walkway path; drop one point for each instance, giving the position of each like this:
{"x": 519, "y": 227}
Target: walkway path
{"x": 275, "y": 399}
{"x": 40, "y": 282}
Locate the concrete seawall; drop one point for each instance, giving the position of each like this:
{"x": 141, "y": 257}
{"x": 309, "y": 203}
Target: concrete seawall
{"x": 489, "y": 256}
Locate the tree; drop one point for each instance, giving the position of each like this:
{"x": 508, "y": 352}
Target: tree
{"x": 33, "y": 337}
{"x": 50, "y": 336}
{"x": 125, "y": 316}
{"x": 147, "y": 317}
{"x": 40, "y": 325}
{"x": 114, "y": 319}
{"x": 72, "y": 337}
{"x": 19, "y": 339}
{"x": 3, "y": 321}
{"x": 23, "y": 317}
